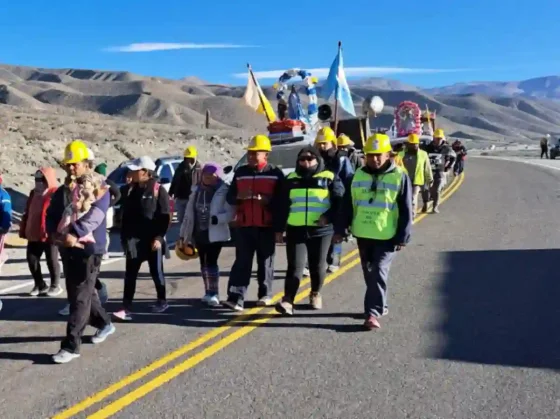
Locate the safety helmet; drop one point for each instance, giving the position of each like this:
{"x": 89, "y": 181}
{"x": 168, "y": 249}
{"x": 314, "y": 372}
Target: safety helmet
{"x": 413, "y": 139}
{"x": 190, "y": 152}
{"x": 378, "y": 144}
{"x": 344, "y": 141}
{"x": 259, "y": 142}
{"x": 438, "y": 133}
{"x": 76, "y": 152}
{"x": 186, "y": 251}
{"x": 325, "y": 135}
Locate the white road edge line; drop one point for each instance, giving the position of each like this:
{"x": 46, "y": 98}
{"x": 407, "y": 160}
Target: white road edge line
{"x": 519, "y": 160}
{"x": 29, "y": 283}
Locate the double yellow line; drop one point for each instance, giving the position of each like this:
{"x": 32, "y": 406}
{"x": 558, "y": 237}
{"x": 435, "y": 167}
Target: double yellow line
{"x": 209, "y": 351}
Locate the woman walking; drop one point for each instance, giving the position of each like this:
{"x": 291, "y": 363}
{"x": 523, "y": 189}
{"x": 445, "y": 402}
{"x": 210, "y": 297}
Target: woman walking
{"x": 206, "y": 227}
{"x": 312, "y": 196}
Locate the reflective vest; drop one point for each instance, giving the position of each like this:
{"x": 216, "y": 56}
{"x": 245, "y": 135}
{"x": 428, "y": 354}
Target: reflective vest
{"x": 421, "y": 159}
{"x": 307, "y": 204}
{"x": 376, "y": 211}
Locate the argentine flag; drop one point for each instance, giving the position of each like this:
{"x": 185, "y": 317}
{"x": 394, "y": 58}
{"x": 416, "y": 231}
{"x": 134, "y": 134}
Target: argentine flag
{"x": 336, "y": 83}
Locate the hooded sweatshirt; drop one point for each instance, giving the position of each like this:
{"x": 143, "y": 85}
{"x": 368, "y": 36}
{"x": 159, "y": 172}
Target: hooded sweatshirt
{"x": 33, "y": 223}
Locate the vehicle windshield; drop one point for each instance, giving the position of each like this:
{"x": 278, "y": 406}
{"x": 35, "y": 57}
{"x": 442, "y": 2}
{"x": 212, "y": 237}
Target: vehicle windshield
{"x": 282, "y": 157}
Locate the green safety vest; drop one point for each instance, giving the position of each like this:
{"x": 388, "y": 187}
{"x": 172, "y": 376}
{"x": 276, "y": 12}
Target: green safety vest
{"x": 376, "y": 213}
{"x": 308, "y": 204}
{"x": 421, "y": 159}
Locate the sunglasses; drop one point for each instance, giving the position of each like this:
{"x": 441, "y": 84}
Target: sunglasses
{"x": 307, "y": 158}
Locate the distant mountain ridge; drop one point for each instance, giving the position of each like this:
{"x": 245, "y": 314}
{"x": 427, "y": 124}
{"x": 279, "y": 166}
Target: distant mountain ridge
{"x": 497, "y": 111}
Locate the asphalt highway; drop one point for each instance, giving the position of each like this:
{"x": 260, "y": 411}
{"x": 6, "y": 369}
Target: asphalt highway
{"x": 472, "y": 331}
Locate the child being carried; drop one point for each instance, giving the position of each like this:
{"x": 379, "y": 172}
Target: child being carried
{"x": 89, "y": 188}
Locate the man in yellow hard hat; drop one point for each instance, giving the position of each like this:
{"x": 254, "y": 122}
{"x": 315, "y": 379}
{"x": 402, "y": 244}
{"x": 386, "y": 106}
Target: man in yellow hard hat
{"x": 185, "y": 177}
{"x": 378, "y": 210}
{"x": 81, "y": 263}
{"x": 442, "y": 157}
{"x": 417, "y": 164}
{"x": 254, "y": 191}
{"x": 340, "y": 165}
{"x": 345, "y": 147}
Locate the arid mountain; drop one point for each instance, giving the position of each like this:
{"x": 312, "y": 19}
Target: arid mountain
{"x": 498, "y": 113}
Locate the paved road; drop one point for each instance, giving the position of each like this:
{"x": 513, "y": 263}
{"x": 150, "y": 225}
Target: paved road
{"x": 472, "y": 332}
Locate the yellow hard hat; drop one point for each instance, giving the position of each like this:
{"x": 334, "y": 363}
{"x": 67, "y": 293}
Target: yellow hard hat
{"x": 190, "y": 152}
{"x": 344, "y": 141}
{"x": 378, "y": 144}
{"x": 259, "y": 143}
{"x": 185, "y": 251}
{"x": 413, "y": 139}
{"x": 325, "y": 135}
{"x": 439, "y": 133}
{"x": 75, "y": 152}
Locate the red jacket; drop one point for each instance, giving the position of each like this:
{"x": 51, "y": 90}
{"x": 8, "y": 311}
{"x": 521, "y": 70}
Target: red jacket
{"x": 265, "y": 184}
{"x": 52, "y": 183}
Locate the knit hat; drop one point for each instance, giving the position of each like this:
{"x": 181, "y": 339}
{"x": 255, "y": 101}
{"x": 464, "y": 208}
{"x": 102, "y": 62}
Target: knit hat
{"x": 101, "y": 169}
{"x": 212, "y": 169}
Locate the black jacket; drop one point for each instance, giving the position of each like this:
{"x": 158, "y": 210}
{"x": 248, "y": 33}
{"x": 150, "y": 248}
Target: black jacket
{"x": 145, "y": 216}
{"x": 114, "y": 191}
{"x": 183, "y": 180}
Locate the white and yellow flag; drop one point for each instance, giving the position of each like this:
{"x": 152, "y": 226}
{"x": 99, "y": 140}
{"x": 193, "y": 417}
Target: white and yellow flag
{"x": 255, "y": 98}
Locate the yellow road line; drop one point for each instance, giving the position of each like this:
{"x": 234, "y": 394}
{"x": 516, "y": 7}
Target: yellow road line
{"x": 141, "y": 373}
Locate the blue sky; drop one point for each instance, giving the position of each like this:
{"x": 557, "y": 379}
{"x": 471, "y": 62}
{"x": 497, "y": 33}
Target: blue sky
{"x": 482, "y": 40}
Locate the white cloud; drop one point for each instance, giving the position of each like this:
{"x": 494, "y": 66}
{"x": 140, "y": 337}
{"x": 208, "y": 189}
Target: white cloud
{"x": 356, "y": 72}
{"x": 166, "y": 46}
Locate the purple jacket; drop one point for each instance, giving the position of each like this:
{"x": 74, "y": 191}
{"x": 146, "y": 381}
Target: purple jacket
{"x": 95, "y": 222}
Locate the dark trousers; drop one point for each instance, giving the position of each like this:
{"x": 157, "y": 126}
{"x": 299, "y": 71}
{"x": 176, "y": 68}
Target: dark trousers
{"x": 544, "y": 151}
{"x": 300, "y": 250}
{"x": 459, "y": 167}
{"x": 208, "y": 254}
{"x": 251, "y": 240}
{"x": 433, "y": 192}
{"x": 154, "y": 258}
{"x": 35, "y": 251}
{"x": 85, "y": 308}
{"x": 376, "y": 257}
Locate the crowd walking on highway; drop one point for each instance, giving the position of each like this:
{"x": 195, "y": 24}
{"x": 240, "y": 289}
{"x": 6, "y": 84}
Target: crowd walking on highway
{"x": 335, "y": 193}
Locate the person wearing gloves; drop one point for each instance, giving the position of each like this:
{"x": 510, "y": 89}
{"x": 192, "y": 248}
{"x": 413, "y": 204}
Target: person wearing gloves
{"x": 311, "y": 198}
{"x": 115, "y": 193}
{"x": 417, "y": 165}
{"x": 206, "y": 227}
{"x": 254, "y": 191}
{"x": 81, "y": 260}
{"x": 378, "y": 210}
{"x": 185, "y": 177}
{"x": 33, "y": 228}
{"x": 325, "y": 142}
{"x": 145, "y": 221}
{"x": 5, "y": 221}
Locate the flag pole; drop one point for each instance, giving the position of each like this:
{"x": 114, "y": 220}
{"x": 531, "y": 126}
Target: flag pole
{"x": 336, "y": 98}
{"x": 260, "y": 97}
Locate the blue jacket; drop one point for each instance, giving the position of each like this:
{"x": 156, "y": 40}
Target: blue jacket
{"x": 5, "y": 209}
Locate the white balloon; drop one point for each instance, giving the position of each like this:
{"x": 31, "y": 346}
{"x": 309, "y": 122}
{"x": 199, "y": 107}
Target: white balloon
{"x": 377, "y": 104}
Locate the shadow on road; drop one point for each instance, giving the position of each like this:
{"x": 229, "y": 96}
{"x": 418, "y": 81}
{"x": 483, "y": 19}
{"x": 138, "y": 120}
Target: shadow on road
{"x": 501, "y": 308}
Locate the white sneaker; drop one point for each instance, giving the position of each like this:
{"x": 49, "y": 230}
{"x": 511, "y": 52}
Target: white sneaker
{"x": 306, "y": 272}
{"x": 65, "y": 311}
{"x": 211, "y": 300}
{"x": 103, "y": 334}
{"x": 64, "y": 357}
{"x": 264, "y": 302}
{"x": 123, "y": 315}
{"x": 332, "y": 268}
